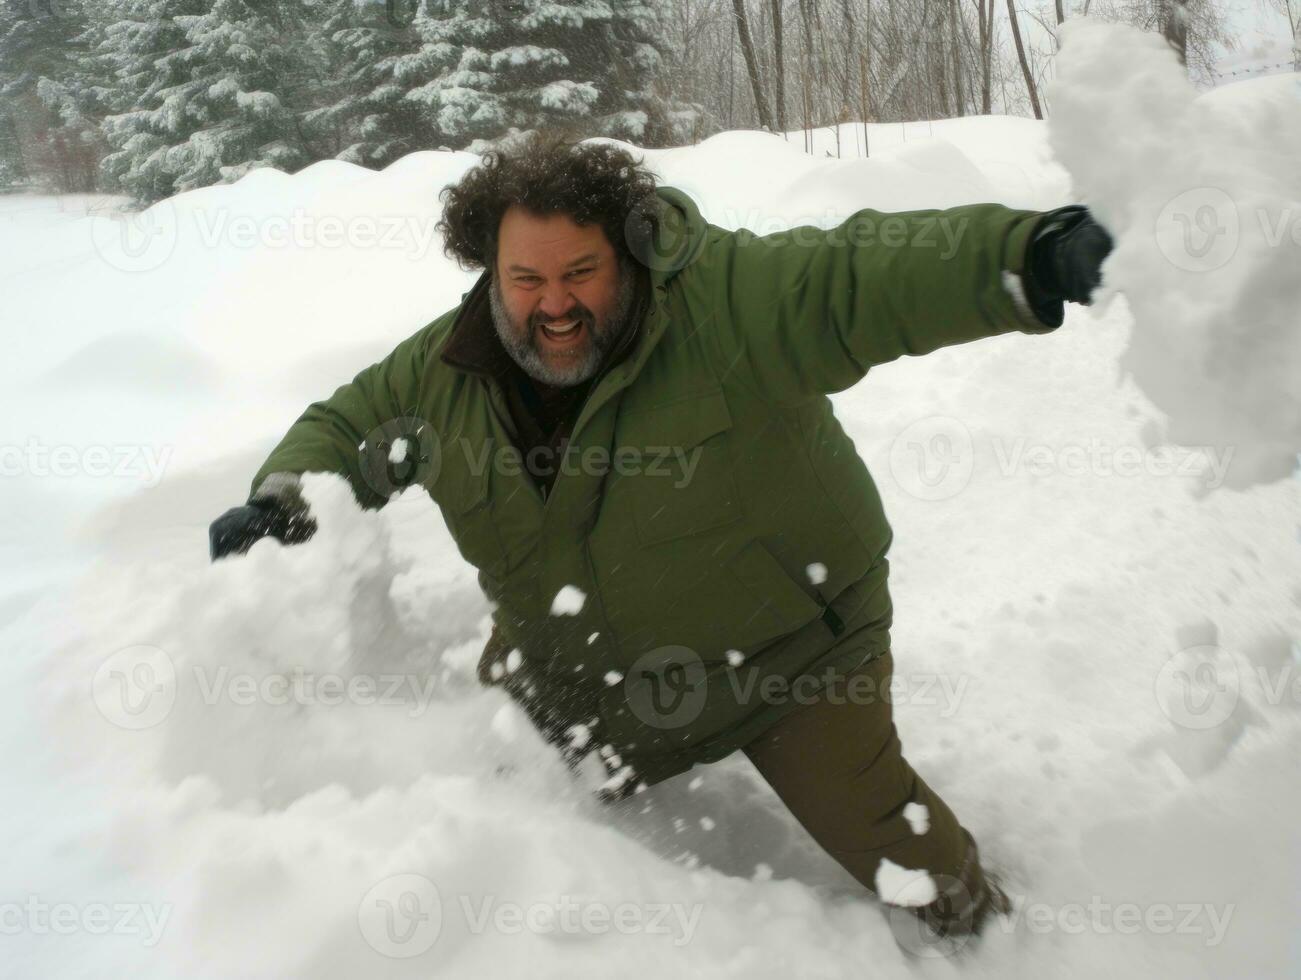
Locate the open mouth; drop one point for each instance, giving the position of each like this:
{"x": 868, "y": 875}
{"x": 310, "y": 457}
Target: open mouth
{"x": 562, "y": 332}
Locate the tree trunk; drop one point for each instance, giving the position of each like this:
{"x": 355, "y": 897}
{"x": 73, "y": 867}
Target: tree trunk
{"x": 779, "y": 96}
{"x": 1025, "y": 65}
{"x": 751, "y": 65}
{"x": 958, "y": 94}
{"x": 1175, "y": 28}
{"x": 1061, "y": 12}
{"x": 851, "y": 46}
{"x": 985, "y": 14}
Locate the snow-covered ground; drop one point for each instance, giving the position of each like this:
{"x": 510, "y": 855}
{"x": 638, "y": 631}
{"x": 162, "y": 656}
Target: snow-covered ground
{"x": 1096, "y": 630}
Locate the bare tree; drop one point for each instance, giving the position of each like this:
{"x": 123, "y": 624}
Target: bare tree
{"x": 779, "y": 73}
{"x": 1175, "y": 28}
{"x": 1025, "y": 65}
{"x": 751, "y": 64}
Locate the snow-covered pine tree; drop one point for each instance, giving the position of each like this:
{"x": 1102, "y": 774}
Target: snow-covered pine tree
{"x": 380, "y": 51}
{"x": 43, "y": 136}
{"x": 221, "y": 102}
{"x": 584, "y": 65}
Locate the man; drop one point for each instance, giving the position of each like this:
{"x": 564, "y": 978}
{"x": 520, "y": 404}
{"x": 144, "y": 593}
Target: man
{"x": 626, "y": 426}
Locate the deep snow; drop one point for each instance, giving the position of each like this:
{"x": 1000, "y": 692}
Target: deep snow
{"x": 1051, "y": 562}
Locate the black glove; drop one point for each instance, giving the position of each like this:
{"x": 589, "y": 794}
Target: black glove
{"x": 1064, "y": 261}
{"x": 237, "y": 529}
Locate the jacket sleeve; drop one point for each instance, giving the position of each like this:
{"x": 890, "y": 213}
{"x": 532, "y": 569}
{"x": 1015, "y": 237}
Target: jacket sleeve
{"x": 333, "y": 435}
{"x": 808, "y": 311}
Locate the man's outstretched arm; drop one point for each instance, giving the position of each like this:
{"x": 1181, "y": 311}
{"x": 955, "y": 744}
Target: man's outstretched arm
{"x": 809, "y": 311}
{"x": 330, "y": 437}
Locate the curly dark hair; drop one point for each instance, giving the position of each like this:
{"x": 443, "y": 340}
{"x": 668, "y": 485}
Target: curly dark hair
{"x": 547, "y": 173}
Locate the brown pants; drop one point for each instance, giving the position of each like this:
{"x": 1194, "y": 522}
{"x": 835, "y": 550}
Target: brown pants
{"x": 838, "y": 766}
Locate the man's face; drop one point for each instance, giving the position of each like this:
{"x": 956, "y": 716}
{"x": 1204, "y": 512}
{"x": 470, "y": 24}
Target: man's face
{"x": 559, "y": 298}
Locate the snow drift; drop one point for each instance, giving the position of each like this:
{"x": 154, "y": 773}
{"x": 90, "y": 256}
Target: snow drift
{"x": 283, "y": 766}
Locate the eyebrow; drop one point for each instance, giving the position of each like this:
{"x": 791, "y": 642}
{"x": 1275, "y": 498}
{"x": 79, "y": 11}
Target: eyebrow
{"x": 591, "y": 257}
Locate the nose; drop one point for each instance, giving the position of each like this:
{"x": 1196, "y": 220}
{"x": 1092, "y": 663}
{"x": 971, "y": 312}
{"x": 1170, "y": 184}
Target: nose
{"x": 556, "y": 301}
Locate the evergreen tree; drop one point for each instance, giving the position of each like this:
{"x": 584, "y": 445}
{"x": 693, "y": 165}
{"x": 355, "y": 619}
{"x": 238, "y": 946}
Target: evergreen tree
{"x": 218, "y": 101}
{"x": 381, "y": 52}
{"x": 43, "y": 136}
{"x": 585, "y": 65}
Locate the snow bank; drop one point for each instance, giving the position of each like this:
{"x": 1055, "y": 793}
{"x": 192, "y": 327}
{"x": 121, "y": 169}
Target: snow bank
{"x": 282, "y": 765}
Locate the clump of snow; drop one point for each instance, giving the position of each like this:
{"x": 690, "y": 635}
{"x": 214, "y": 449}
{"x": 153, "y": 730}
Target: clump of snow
{"x": 398, "y": 450}
{"x": 918, "y": 816}
{"x": 911, "y": 887}
{"x": 568, "y": 601}
{"x": 1202, "y": 197}
{"x": 613, "y": 677}
{"x": 817, "y": 572}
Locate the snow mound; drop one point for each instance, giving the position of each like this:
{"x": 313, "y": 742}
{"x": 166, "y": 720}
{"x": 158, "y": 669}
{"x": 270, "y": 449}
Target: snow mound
{"x": 1204, "y": 198}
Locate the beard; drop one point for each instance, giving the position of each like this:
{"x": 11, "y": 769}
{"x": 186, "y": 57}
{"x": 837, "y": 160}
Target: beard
{"x": 520, "y": 338}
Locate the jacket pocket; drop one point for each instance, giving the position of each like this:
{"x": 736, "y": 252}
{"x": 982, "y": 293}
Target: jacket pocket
{"x": 683, "y": 484}
{"x": 778, "y": 605}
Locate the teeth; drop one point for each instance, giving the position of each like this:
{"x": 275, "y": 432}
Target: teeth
{"x": 562, "y": 328}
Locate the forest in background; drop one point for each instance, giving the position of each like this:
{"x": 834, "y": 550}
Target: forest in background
{"x": 149, "y": 98}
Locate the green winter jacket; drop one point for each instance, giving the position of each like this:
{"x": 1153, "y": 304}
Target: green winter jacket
{"x": 716, "y": 529}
